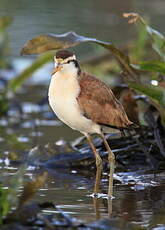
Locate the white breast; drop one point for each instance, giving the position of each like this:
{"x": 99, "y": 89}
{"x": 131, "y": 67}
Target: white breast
{"x": 63, "y": 91}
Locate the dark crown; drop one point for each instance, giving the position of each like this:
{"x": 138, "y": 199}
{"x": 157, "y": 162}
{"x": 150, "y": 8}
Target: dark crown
{"x": 63, "y": 54}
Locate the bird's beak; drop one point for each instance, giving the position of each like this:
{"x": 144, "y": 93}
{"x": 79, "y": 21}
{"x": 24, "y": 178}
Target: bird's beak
{"x": 57, "y": 68}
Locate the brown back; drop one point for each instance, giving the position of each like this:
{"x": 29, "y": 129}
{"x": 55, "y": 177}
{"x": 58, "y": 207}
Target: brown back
{"x": 99, "y": 104}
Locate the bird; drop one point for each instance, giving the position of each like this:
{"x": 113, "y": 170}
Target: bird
{"x": 88, "y": 105}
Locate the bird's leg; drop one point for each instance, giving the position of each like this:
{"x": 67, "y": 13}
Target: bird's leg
{"x": 96, "y": 203}
{"x": 109, "y": 207}
{"x": 98, "y": 164}
{"x": 111, "y": 159}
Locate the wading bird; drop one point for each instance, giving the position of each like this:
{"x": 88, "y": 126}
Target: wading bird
{"x": 86, "y": 104}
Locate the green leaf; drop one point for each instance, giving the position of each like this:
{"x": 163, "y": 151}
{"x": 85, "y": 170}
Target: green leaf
{"x": 4, "y": 106}
{"x": 4, "y": 46}
{"x": 158, "y": 41}
{"x": 4, "y": 204}
{"x": 9, "y": 198}
{"x": 156, "y": 95}
{"x": 47, "y": 42}
{"x": 39, "y": 62}
{"x": 154, "y": 92}
{"x": 138, "y": 51}
{"x": 153, "y": 66}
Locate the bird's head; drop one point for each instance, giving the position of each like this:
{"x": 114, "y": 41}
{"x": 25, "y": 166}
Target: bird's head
{"x": 65, "y": 62}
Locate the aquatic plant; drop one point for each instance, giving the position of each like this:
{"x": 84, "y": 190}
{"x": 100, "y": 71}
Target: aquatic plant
{"x": 136, "y": 75}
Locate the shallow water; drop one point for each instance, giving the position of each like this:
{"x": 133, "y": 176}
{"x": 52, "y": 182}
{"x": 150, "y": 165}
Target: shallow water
{"x": 134, "y": 204}
{"x": 139, "y": 196}
{"x": 139, "y": 200}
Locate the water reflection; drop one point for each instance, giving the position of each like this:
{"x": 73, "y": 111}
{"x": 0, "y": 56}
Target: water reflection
{"x": 70, "y": 190}
{"x": 137, "y": 207}
{"x": 137, "y": 198}
{"x": 138, "y": 195}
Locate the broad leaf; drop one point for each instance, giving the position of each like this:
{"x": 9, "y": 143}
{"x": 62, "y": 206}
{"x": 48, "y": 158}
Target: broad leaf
{"x": 153, "y": 66}
{"x": 154, "y": 92}
{"x": 47, "y": 42}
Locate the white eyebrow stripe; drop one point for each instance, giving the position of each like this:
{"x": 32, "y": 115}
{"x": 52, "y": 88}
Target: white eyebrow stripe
{"x": 65, "y": 60}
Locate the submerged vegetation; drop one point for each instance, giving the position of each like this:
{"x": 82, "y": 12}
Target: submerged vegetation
{"x": 140, "y": 87}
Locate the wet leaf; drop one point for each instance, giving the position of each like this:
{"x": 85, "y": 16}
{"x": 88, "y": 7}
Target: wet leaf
{"x": 47, "y": 42}
{"x": 31, "y": 188}
{"x": 155, "y": 66}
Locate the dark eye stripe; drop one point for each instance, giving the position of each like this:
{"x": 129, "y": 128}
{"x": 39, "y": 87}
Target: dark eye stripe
{"x": 69, "y": 61}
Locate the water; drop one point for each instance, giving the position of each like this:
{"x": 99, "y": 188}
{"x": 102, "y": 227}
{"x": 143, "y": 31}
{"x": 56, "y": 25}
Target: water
{"x": 71, "y": 190}
{"x": 139, "y": 196}
{"x": 95, "y": 18}
{"x": 73, "y": 197}
{"x": 38, "y": 124}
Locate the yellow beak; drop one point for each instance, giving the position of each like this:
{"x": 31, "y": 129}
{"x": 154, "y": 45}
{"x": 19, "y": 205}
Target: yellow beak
{"x": 57, "y": 68}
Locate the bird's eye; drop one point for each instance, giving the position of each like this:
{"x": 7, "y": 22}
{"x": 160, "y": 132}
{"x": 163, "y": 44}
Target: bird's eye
{"x": 68, "y": 61}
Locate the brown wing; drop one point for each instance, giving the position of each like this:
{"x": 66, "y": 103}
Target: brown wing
{"x": 98, "y": 103}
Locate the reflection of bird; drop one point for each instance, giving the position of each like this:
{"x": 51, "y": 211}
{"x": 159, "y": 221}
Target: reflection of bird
{"x": 85, "y": 104}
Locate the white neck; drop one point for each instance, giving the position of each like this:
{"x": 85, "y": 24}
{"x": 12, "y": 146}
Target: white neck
{"x": 64, "y": 81}
{"x": 63, "y": 92}
{"x": 69, "y": 70}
